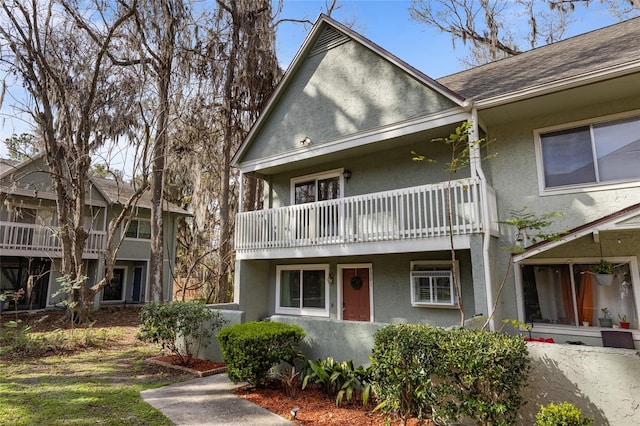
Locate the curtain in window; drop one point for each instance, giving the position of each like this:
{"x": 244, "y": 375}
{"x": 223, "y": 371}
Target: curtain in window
{"x": 585, "y": 298}
{"x": 290, "y": 288}
{"x": 567, "y": 296}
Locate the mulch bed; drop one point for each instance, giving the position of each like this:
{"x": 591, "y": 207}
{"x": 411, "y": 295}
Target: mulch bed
{"x": 197, "y": 366}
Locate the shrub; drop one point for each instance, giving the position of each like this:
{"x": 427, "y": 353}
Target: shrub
{"x": 251, "y": 349}
{"x": 448, "y": 374}
{"x": 565, "y": 414}
{"x": 339, "y": 380}
{"x": 167, "y": 322}
{"x": 484, "y": 373}
{"x": 402, "y": 364}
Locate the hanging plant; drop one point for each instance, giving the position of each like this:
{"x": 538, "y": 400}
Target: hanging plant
{"x": 356, "y": 283}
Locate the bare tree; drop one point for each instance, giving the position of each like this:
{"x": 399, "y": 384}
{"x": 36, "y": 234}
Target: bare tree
{"x": 234, "y": 71}
{"x": 79, "y": 99}
{"x": 500, "y": 28}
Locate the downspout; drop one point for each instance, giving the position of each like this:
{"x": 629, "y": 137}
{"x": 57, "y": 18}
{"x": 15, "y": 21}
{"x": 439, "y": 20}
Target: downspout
{"x": 475, "y": 135}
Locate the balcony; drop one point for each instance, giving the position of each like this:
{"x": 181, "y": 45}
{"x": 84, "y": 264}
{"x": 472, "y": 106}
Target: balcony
{"x": 402, "y": 215}
{"x": 20, "y": 239}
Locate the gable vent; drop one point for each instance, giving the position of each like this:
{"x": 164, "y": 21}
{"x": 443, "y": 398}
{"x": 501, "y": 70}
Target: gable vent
{"x": 329, "y": 39}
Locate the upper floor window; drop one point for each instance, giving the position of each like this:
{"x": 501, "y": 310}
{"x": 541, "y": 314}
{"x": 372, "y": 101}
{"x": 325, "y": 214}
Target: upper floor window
{"x": 432, "y": 284}
{"x": 140, "y": 229}
{"x": 594, "y": 153}
{"x": 317, "y": 187}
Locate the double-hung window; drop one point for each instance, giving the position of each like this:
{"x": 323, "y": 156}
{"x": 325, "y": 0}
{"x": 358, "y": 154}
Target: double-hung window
{"x": 140, "y": 229}
{"x": 432, "y": 284}
{"x": 591, "y": 154}
{"x": 302, "y": 290}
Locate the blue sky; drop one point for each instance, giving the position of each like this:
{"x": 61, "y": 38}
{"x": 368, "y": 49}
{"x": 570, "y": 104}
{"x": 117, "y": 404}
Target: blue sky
{"x": 385, "y": 22}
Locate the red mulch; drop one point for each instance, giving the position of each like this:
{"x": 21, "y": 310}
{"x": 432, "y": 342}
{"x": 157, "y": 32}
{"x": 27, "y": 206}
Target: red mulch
{"x": 197, "y": 364}
{"x": 316, "y": 408}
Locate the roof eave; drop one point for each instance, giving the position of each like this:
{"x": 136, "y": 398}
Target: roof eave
{"x": 559, "y": 85}
{"x": 605, "y": 223}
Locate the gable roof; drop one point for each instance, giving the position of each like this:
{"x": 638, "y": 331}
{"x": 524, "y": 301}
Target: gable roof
{"x": 114, "y": 192}
{"x": 588, "y": 57}
{"x": 627, "y": 218}
{"x": 325, "y": 34}
{"x": 118, "y": 192}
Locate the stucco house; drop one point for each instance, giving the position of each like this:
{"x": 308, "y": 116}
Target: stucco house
{"x": 354, "y": 233}
{"x": 30, "y": 252}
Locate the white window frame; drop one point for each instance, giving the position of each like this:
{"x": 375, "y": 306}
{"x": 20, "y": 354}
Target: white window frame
{"x": 584, "y": 187}
{"x": 439, "y": 266}
{"x": 137, "y": 237}
{"x": 316, "y": 176}
{"x": 313, "y": 312}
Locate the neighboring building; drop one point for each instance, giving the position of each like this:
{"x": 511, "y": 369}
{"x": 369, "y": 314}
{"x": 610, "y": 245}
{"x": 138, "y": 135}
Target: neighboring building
{"x": 354, "y": 230}
{"x": 30, "y": 252}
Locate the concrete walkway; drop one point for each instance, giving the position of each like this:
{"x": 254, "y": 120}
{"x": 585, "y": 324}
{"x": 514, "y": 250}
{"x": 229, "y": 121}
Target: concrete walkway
{"x": 209, "y": 401}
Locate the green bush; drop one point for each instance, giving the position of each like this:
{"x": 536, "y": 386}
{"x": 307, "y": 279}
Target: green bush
{"x": 565, "y": 414}
{"x": 339, "y": 380}
{"x": 484, "y": 373}
{"x": 424, "y": 371}
{"x": 167, "y": 322}
{"x": 403, "y": 362}
{"x": 250, "y": 350}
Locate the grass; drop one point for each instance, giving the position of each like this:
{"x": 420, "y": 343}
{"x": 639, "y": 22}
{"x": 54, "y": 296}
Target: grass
{"x": 95, "y": 379}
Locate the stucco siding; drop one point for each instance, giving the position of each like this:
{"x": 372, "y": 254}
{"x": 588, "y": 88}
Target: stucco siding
{"x": 378, "y": 171}
{"x": 390, "y": 280}
{"x": 345, "y": 90}
{"x": 515, "y": 174}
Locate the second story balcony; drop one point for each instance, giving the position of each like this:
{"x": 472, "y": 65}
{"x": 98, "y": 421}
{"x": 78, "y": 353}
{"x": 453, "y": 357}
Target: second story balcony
{"x": 20, "y": 239}
{"x": 397, "y": 220}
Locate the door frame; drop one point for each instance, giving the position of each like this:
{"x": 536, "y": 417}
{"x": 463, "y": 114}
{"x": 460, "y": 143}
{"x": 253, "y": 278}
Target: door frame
{"x": 339, "y": 270}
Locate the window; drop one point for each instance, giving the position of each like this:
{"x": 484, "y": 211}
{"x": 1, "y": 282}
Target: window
{"x": 569, "y": 294}
{"x": 591, "y": 154}
{"x": 302, "y": 290}
{"x": 140, "y": 229}
{"x": 432, "y": 284}
{"x": 318, "y": 187}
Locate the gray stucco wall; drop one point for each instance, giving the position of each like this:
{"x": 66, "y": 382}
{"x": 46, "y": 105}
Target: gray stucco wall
{"x": 384, "y": 170}
{"x": 391, "y": 287}
{"x": 342, "y": 340}
{"x": 515, "y": 176}
{"x": 339, "y": 92}
{"x": 603, "y": 382}
{"x": 231, "y": 314}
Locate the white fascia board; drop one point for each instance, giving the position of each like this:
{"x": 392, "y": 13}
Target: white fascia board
{"x": 461, "y": 242}
{"x": 559, "y": 85}
{"x": 404, "y": 128}
{"x": 609, "y": 225}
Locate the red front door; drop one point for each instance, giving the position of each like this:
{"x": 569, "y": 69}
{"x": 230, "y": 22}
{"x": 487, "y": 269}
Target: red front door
{"x": 355, "y": 294}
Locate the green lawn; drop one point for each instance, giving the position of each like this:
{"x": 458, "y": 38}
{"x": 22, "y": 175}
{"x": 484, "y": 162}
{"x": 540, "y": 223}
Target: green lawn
{"x": 89, "y": 386}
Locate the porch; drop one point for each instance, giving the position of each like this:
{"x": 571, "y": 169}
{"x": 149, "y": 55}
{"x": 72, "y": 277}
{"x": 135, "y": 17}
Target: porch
{"x": 384, "y": 218}
{"x": 21, "y": 239}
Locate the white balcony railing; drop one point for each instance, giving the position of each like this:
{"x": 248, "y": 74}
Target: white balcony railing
{"x": 37, "y": 238}
{"x": 408, "y": 213}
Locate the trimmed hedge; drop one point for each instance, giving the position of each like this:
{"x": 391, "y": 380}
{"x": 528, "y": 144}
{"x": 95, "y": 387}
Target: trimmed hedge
{"x": 447, "y": 375}
{"x": 251, "y": 349}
